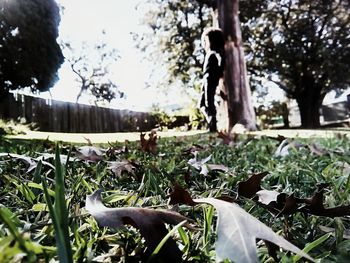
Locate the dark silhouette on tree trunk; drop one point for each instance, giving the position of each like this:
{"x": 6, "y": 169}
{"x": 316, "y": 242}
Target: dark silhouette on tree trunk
{"x": 239, "y": 104}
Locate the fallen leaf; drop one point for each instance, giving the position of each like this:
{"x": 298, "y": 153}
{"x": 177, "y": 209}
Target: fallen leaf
{"x": 227, "y": 138}
{"x": 123, "y": 166}
{"x": 29, "y": 160}
{"x": 290, "y": 205}
{"x": 89, "y": 153}
{"x": 267, "y": 196}
{"x": 113, "y": 151}
{"x": 237, "y": 232}
{"x": 149, "y": 145}
{"x": 285, "y": 146}
{"x": 193, "y": 149}
{"x": 150, "y": 222}
{"x": 317, "y": 149}
{"x": 179, "y": 195}
{"x": 249, "y": 187}
{"x": 88, "y": 141}
{"x": 314, "y": 206}
{"x": 217, "y": 167}
{"x": 46, "y": 156}
{"x": 199, "y": 164}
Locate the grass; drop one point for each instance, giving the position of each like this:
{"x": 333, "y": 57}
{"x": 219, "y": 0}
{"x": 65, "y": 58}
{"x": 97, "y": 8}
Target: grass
{"x": 42, "y": 215}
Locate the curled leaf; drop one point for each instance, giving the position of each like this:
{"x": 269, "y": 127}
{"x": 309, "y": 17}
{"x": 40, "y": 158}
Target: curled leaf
{"x": 179, "y": 195}
{"x": 150, "y": 222}
{"x": 89, "y": 153}
{"x": 284, "y": 148}
{"x": 199, "y": 164}
{"x": 267, "y": 196}
{"x": 123, "y": 166}
{"x": 227, "y": 138}
{"x": 249, "y": 187}
{"x": 32, "y": 163}
{"x": 149, "y": 145}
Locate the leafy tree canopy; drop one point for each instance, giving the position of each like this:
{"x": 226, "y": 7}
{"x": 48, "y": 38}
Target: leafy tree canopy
{"x": 304, "y": 42}
{"x": 29, "y": 53}
{"x": 302, "y": 45}
{"x": 176, "y": 27}
{"x": 91, "y": 65}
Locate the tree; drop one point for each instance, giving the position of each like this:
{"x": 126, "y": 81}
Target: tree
{"x": 174, "y": 40}
{"x": 91, "y": 65}
{"x": 240, "y": 108}
{"x": 29, "y": 53}
{"x": 183, "y": 23}
{"x": 303, "y": 46}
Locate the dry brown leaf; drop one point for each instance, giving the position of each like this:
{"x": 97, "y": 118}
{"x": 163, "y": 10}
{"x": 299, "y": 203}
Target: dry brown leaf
{"x": 89, "y": 153}
{"x": 150, "y": 222}
{"x": 227, "y": 138}
{"x": 179, "y": 195}
{"x": 249, "y": 187}
{"x": 149, "y": 145}
{"x": 118, "y": 167}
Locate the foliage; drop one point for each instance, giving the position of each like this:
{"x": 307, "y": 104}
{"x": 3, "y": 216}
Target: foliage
{"x": 303, "y": 46}
{"x": 91, "y": 65}
{"x": 176, "y": 28}
{"x": 27, "y": 233}
{"x": 29, "y": 53}
{"x": 11, "y": 127}
{"x": 267, "y": 115}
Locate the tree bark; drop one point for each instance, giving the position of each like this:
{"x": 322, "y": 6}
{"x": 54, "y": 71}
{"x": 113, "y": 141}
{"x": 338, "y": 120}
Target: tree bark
{"x": 309, "y": 107}
{"x": 239, "y": 104}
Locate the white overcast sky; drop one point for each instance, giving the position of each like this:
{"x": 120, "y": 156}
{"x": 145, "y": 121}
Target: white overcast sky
{"x": 84, "y": 20}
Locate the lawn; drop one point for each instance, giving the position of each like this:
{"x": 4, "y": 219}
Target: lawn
{"x": 155, "y": 198}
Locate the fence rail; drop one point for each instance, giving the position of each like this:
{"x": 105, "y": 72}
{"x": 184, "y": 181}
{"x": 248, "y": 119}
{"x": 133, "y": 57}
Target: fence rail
{"x": 58, "y": 116}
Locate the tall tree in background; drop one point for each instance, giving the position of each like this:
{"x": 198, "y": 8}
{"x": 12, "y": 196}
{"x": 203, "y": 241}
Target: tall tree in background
{"x": 185, "y": 21}
{"x": 29, "y": 53}
{"x": 301, "y": 45}
{"x": 239, "y": 103}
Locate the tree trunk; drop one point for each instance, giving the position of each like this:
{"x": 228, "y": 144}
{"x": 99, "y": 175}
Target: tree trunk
{"x": 239, "y": 104}
{"x": 309, "y": 107}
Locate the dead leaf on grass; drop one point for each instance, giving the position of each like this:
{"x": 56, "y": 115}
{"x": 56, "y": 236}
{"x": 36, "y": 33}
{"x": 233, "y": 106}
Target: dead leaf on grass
{"x": 118, "y": 167}
{"x": 204, "y": 167}
{"x": 32, "y": 163}
{"x": 149, "y": 145}
{"x": 314, "y": 206}
{"x": 179, "y": 195}
{"x": 237, "y": 232}
{"x": 267, "y": 196}
{"x": 286, "y": 146}
{"x": 89, "y": 153}
{"x": 227, "y": 138}
{"x": 249, "y": 187}
{"x": 150, "y": 222}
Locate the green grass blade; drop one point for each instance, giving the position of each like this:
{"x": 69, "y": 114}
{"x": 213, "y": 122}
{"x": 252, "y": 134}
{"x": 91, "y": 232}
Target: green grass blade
{"x": 6, "y": 218}
{"x": 37, "y": 177}
{"x": 312, "y": 245}
{"x": 59, "y": 213}
{"x": 61, "y": 210}
{"x": 162, "y": 242}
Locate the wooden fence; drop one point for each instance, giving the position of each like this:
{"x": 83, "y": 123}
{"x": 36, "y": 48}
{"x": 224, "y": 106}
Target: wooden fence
{"x": 58, "y": 116}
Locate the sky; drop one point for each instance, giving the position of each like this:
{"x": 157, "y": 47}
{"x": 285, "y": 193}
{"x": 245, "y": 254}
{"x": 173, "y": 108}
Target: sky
{"x": 84, "y": 20}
